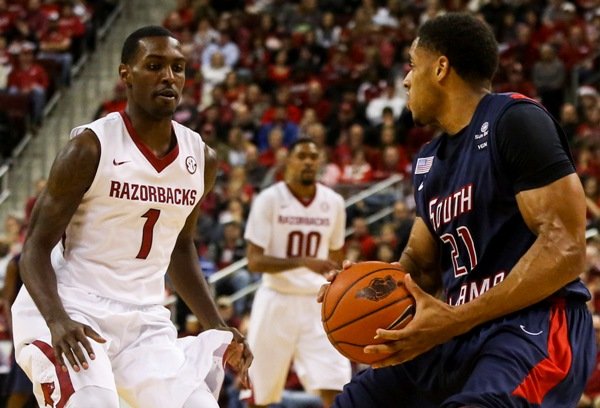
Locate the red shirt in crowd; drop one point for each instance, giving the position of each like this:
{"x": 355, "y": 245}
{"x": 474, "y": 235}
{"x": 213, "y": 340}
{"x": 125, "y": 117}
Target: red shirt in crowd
{"x": 24, "y": 79}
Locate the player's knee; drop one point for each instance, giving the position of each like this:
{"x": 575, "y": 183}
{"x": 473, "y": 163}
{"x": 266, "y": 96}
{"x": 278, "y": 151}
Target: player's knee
{"x": 201, "y": 398}
{"x": 93, "y": 397}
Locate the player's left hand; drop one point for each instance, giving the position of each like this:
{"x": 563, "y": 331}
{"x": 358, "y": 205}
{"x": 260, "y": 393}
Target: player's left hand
{"x": 434, "y": 323}
{"x": 239, "y": 356}
{"x": 330, "y": 276}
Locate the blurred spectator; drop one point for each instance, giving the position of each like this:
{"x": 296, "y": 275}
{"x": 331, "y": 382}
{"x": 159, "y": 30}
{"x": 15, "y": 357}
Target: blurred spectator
{"x": 267, "y": 157}
{"x": 549, "y": 77}
{"x": 72, "y": 26}
{"x": 592, "y": 195}
{"x": 30, "y": 78}
{"x": 329, "y": 172}
{"x": 235, "y": 210}
{"x": 402, "y": 219}
{"x": 315, "y": 99}
{"x": 187, "y": 110}
{"x": 116, "y": 103}
{"x": 224, "y": 46}
{"x": 213, "y": 73}
{"x": 385, "y": 253}
{"x": 283, "y": 97}
{"x": 233, "y": 88}
{"x": 5, "y": 63}
{"x": 279, "y": 71}
{"x": 55, "y": 45}
{"x": 255, "y": 171}
{"x": 589, "y": 128}
{"x": 569, "y": 120}
{"x": 358, "y": 170}
{"x": 517, "y": 82}
{"x": 242, "y": 118}
{"x": 309, "y": 118}
{"x": 36, "y": 19}
{"x": 523, "y": 49}
{"x": 328, "y": 32}
{"x": 362, "y": 235}
{"x": 280, "y": 120}
{"x": 14, "y": 233}
{"x": 393, "y": 160}
{"x": 205, "y": 34}
{"x": 230, "y": 247}
{"x": 236, "y": 142}
{"x": 350, "y": 143}
{"x": 276, "y": 172}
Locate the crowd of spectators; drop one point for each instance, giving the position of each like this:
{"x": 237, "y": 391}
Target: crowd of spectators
{"x": 40, "y": 43}
{"x": 262, "y": 73}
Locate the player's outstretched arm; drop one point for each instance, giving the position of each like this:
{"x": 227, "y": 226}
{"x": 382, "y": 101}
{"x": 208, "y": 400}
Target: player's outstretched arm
{"x": 71, "y": 175}
{"x": 189, "y": 282}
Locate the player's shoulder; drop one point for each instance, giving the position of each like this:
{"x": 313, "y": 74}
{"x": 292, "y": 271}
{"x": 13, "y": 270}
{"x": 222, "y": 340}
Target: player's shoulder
{"x": 269, "y": 193}
{"x": 186, "y": 132}
{"x": 330, "y": 194}
{"x": 100, "y": 125}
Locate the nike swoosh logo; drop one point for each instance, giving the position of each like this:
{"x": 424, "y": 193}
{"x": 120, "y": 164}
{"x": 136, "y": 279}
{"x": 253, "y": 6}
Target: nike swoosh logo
{"x": 116, "y": 163}
{"x": 530, "y": 333}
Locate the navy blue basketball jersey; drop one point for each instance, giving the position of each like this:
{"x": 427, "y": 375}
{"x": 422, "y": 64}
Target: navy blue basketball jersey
{"x": 467, "y": 201}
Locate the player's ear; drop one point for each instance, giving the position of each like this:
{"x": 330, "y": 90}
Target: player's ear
{"x": 442, "y": 67}
{"x": 125, "y": 74}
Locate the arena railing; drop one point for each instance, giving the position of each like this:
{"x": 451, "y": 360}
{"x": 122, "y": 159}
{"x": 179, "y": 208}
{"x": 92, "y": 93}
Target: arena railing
{"x": 4, "y": 189}
{"x": 387, "y": 184}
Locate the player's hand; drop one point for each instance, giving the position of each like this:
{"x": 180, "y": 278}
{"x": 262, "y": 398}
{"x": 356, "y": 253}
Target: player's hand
{"x": 330, "y": 276}
{"x": 320, "y": 266}
{"x": 239, "y": 356}
{"x": 70, "y": 340}
{"x": 433, "y": 323}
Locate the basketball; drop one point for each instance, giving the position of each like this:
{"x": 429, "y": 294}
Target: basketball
{"x": 361, "y": 299}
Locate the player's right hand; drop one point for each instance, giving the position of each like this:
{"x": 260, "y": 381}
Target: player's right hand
{"x": 70, "y": 340}
{"x": 320, "y": 266}
{"x": 239, "y": 356}
{"x": 330, "y": 275}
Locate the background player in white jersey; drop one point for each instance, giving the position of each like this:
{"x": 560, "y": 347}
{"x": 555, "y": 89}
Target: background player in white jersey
{"x": 295, "y": 234}
{"x": 119, "y": 212}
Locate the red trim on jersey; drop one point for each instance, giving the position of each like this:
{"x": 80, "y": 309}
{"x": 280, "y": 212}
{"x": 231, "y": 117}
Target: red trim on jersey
{"x": 554, "y": 368}
{"x": 159, "y": 163}
{"x": 304, "y": 202}
{"x": 64, "y": 379}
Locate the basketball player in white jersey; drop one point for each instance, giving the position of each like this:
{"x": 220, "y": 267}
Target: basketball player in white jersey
{"x": 118, "y": 213}
{"x": 295, "y": 234}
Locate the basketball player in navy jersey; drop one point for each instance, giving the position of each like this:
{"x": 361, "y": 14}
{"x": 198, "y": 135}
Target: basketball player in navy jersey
{"x": 118, "y": 213}
{"x": 496, "y": 250}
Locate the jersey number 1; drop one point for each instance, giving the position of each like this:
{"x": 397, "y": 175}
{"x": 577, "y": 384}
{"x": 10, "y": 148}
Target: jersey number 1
{"x": 151, "y": 217}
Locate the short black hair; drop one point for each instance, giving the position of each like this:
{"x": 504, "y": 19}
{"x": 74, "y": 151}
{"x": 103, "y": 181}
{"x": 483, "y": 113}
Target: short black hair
{"x": 300, "y": 141}
{"x": 467, "y": 42}
{"x": 130, "y": 46}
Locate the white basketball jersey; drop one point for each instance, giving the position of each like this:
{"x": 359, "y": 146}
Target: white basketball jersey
{"x": 285, "y": 227}
{"x": 119, "y": 242}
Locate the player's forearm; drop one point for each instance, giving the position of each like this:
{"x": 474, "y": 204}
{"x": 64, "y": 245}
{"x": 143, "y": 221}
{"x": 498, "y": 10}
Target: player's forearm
{"x": 271, "y": 264}
{"x": 40, "y": 280}
{"x": 555, "y": 259}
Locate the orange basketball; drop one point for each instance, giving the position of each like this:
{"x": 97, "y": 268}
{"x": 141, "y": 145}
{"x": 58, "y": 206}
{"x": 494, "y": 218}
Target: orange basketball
{"x": 361, "y": 299}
